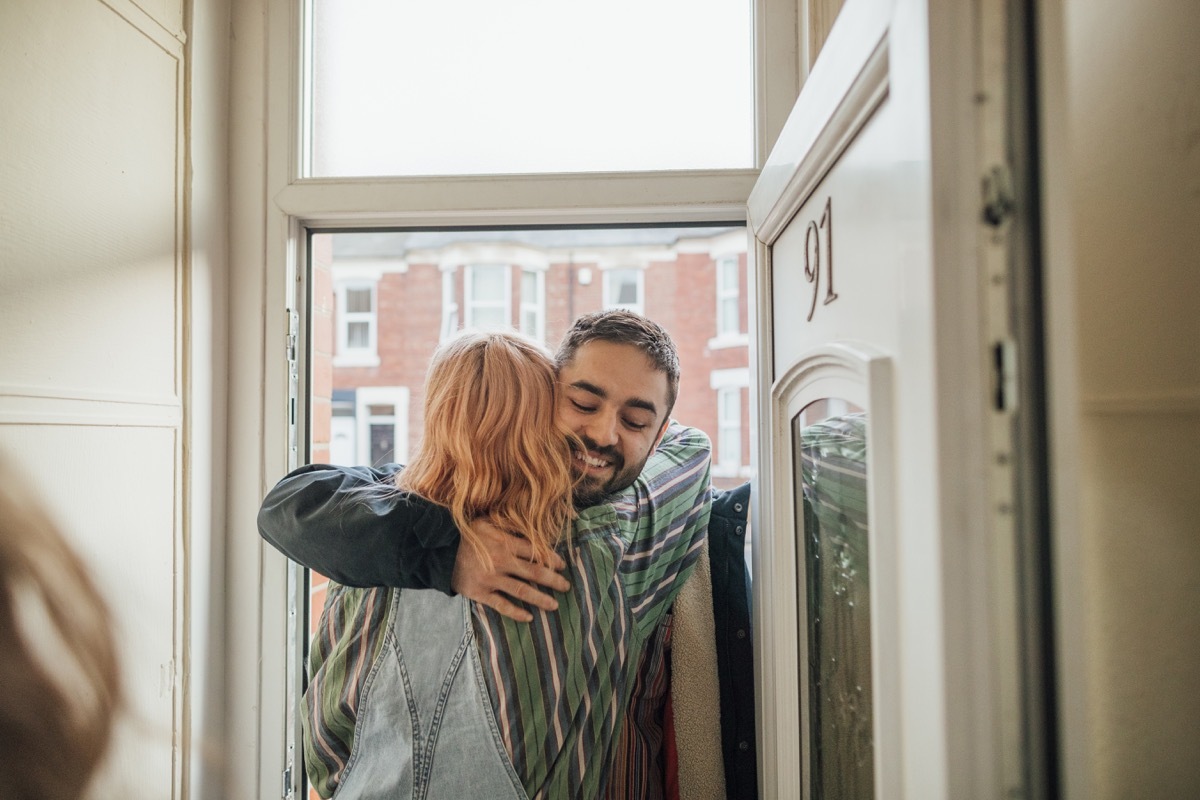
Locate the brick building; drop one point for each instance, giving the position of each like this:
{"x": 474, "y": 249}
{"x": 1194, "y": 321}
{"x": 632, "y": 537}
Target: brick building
{"x": 383, "y": 301}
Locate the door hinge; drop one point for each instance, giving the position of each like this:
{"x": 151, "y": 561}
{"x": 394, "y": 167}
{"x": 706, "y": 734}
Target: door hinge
{"x": 291, "y": 351}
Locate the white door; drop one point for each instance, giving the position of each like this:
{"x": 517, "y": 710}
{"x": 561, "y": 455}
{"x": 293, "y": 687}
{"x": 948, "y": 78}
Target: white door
{"x": 890, "y": 248}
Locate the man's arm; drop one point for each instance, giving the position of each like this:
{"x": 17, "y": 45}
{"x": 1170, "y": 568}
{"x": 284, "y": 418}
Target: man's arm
{"x": 351, "y": 524}
{"x": 671, "y": 501}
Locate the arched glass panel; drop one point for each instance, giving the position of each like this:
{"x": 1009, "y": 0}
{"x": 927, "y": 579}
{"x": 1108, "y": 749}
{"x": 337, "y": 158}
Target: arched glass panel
{"x": 830, "y": 443}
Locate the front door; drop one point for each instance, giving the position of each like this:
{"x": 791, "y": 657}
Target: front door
{"x": 892, "y": 228}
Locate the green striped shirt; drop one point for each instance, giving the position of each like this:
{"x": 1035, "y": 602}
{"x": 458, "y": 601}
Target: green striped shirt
{"x": 560, "y": 684}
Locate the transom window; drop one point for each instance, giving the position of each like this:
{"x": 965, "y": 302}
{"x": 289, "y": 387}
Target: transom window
{"x": 459, "y": 87}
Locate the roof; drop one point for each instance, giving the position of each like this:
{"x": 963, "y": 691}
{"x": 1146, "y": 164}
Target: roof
{"x": 397, "y": 243}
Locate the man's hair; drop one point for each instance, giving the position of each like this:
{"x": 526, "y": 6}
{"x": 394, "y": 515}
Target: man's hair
{"x": 625, "y": 327}
{"x": 58, "y": 655}
{"x": 493, "y": 446}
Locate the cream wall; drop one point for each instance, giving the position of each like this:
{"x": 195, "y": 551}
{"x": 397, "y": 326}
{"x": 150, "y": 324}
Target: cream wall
{"x": 112, "y": 281}
{"x": 1132, "y": 566}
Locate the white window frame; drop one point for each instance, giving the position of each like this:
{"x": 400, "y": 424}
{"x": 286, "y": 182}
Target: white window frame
{"x": 339, "y": 425}
{"x": 272, "y": 210}
{"x": 726, "y": 382}
{"x": 609, "y": 302}
{"x": 395, "y": 396}
{"x": 345, "y": 356}
{"x": 729, "y": 430}
{"x": 724, "y": 331}
{"x": 449, "y": 304}
{"x": 536, "y": 306}
{"x": 727, "y": 249}
{"x": 471, "y": 303}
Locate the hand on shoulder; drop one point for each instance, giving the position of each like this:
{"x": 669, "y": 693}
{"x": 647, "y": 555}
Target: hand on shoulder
{"x": 510, "y": 579}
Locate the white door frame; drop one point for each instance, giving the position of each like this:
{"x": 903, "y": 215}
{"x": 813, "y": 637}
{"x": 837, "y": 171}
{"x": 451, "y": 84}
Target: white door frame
{"x": 272, "y": 208}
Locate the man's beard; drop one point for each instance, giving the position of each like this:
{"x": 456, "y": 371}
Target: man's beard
{"x": 590, "y": 492}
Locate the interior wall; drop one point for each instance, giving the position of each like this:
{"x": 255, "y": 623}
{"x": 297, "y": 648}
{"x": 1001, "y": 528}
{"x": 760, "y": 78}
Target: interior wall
{"x": 1133, "y": 133}
{"x": 112, "y": 267}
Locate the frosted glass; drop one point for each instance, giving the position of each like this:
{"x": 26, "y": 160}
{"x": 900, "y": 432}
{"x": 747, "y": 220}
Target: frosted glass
{"x": 459, "y": 87}
{"x": 832, "y": 465}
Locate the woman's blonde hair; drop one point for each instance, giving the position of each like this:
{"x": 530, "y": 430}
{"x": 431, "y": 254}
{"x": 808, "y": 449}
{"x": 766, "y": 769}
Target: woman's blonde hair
{"x": 58, "y": 658}
{"x": 492, "y": 446}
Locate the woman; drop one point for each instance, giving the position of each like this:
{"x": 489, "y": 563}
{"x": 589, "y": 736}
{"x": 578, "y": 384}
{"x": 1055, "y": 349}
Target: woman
{"x": 414, "y": 693}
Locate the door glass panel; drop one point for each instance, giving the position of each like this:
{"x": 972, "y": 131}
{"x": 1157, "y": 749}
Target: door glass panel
{"x": 830, "y": 441}
{"x": 454, "y": 87}
{"x": 382, "y": 436}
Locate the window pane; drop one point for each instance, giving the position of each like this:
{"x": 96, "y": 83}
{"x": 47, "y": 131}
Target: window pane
{"x": 358, "y": 334}
{"x": 627, "y": 295}
{"x": 830, "y": 441}
{"x": 358, "y": 301}
{"x": 455, "y": 87}
{"x": 728, "y": 322}
{"x": 528, "y": 287}
{"x": 730, "y": 410}
{"x": 623, "y": 287}
{"x": 382, "y": 443}
{"x": 529, "y": 323}
{"x": 729, "y": 275}
{"x": 487, "y": 284}
{"x": 489, "y": 318}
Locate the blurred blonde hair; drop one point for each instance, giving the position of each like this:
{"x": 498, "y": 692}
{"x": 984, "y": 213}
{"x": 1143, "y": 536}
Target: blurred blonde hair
{"x": 493, "y": 446}
{"x": 58, "y": 660}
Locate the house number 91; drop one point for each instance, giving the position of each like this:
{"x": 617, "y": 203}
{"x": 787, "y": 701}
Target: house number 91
{"x": 814, "y": 254}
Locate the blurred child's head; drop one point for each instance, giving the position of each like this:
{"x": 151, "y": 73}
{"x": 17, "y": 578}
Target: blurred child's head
{"x": 59, "y": 681}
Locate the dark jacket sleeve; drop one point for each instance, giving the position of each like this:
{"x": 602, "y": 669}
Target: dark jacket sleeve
{"x": 727, "y": 528}
{"x": 352, "y": 525}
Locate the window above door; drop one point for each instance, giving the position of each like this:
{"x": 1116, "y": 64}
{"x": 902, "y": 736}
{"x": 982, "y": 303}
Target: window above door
{"x": 401, "y": 88}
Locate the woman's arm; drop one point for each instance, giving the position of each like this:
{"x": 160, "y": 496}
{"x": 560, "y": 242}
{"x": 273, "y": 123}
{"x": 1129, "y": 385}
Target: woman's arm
{"x": 352, "y": 525}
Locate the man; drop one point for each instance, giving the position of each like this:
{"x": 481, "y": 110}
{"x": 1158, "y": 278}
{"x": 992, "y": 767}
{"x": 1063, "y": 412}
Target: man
{"x": 318, "y": 517}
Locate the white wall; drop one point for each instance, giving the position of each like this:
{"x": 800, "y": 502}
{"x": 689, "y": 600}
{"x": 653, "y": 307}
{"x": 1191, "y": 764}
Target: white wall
{"x": 1129, "y": 546}
{"x": 112, "y": 264}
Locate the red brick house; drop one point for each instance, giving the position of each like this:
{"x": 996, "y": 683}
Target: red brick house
{"x": 383, "y": 301}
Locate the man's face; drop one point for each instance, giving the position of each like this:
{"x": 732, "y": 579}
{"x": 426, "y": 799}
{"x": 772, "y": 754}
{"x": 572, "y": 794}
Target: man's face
{"x": 616, "y": 402}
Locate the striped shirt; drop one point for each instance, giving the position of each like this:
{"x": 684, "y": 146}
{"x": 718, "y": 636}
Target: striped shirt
{"x": 638, "y": 768}
{"x": 560, "y": 684}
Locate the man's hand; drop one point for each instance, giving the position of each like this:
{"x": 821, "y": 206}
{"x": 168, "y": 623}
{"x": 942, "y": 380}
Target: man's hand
{"x": 512, "y": 576}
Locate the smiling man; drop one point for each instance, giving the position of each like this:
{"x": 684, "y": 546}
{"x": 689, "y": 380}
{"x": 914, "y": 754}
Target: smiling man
{"x": 612, "y": 409}
{"x": 620, "y": 377}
